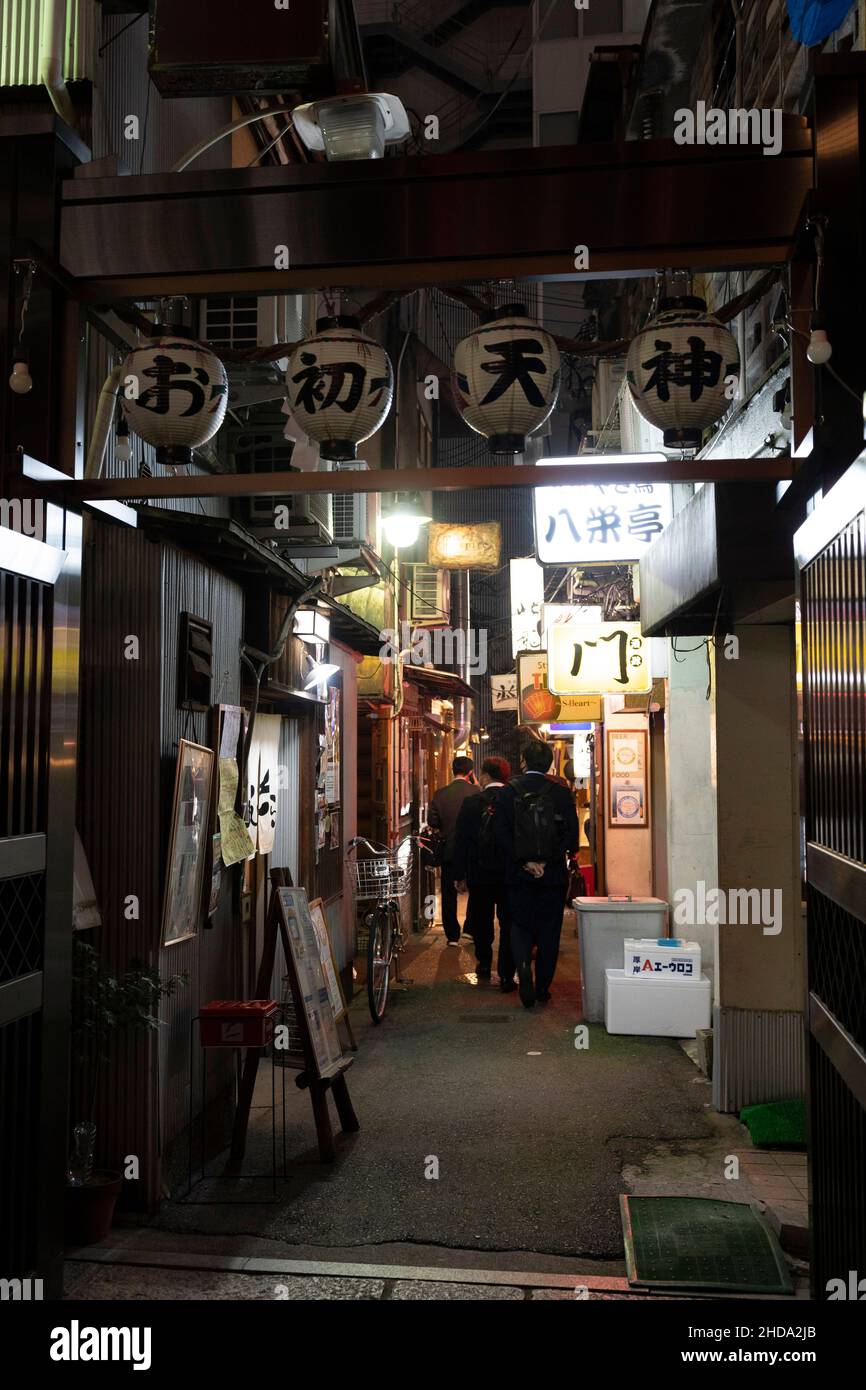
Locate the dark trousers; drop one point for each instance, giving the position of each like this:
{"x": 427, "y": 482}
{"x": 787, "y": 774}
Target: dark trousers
{"x": 536, "y": 919}
{"x": 484, "y": 900}
{"x": 449, "y": 902}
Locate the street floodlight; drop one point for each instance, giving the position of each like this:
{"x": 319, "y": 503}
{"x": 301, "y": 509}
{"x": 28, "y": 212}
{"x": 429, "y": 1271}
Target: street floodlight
{"x": 403, "y": 520}
{"x": 352, "y": 127}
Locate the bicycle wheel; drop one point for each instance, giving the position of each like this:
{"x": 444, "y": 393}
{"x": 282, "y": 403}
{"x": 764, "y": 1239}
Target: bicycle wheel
{"x": 379, "y": 947}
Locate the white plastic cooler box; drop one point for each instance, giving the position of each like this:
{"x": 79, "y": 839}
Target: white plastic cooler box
{"x": 669, "y": 958}
{"x": 667, "y": 1008}
{"x": 603, "y": 926}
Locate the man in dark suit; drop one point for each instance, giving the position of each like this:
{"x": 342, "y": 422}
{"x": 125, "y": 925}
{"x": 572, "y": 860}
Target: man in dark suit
{"x": 442, "y": 815}
{"x": 478, "y": 865}
{"x": 537, "y": 887}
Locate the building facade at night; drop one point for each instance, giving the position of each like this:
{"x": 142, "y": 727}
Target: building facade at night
{"x": 390, "y": 383}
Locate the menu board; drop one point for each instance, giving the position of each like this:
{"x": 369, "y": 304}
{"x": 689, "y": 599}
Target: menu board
{"x": 627, "y": 779}
{"x": 312, "y": 983}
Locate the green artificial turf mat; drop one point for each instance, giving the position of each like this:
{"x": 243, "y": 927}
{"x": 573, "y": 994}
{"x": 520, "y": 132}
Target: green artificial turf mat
{"x": 778, "y": 1124}
{"x": 699, "y": 1243}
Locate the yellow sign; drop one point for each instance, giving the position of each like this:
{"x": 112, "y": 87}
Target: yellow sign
{"x": 474, "y": 547}
{"x": 598, "y": 659}
{"x": 536, "y": 703}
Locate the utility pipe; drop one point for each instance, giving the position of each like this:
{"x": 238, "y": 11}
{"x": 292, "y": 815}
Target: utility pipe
{"x": 52, "y": 50}
{"x": 102, "y": 423}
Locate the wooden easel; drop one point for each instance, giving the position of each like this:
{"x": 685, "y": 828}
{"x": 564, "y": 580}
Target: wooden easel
{"x": 308, "y": 1078}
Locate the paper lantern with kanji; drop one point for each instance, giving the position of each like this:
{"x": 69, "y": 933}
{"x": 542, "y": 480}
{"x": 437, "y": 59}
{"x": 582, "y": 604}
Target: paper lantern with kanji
{"x": 506, "y": 378}
{"x": 340, "y": 386}
{"x": 174, "y": 394}
{"x": 682, "y": 370}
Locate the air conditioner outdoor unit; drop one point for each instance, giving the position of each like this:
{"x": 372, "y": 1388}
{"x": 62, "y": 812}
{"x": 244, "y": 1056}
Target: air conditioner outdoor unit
{"x": 356, "y": 514}
{"x": 429, "y": 595}
{"x": 248, "y": 320}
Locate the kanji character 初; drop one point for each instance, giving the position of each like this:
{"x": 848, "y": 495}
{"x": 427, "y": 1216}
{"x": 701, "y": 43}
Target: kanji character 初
{"x": 323, "y": 384}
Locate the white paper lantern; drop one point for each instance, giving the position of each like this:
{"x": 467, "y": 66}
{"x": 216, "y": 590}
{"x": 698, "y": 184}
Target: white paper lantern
{"x": 506, "y": 378}
{"x": 340, "y": 386}
{"x": 174, "y": 395}
{"x": 679, "y": 368}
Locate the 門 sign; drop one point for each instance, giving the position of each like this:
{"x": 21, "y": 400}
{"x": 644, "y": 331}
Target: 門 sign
{"x": 598, "y": 659}
{"x": 610, "y": 523}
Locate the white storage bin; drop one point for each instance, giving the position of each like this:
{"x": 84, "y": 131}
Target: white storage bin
{"x": 669, "y": 959}
{"x": 603, "y": 925}
{"x": 663, "y": 1009}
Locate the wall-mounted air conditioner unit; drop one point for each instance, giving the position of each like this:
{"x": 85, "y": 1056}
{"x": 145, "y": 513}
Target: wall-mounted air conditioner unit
{"x": 429, "y": 595}
{"x": 248, "y": 320}
{"x": 356, "y": 514}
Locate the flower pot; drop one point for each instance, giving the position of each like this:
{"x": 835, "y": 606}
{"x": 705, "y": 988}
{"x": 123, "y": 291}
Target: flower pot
{"x": 89, "y": 1208}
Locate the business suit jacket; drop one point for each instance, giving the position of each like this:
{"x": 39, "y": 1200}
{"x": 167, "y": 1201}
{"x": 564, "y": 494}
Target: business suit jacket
{"x": 466, "y": 866}
{"x": 445, "y": 808}
{"x": 555, "y": 870}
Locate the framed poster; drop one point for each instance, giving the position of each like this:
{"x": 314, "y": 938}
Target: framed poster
{"x": 188, "y": 843}
{"x": 627, "y": 798}
{"x": 312, "y": 987}
{"x": 326, "y": 956}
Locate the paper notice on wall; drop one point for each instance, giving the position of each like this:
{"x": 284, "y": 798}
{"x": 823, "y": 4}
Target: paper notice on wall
{"x": 231, "y": 730}
{"x": 266, "y": 741}
{"x": 235, "y": 843}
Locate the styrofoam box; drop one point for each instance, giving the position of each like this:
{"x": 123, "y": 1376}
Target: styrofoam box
{"x": 603, "y": 924}
{"x": 648, "y": 959}
{"x": 668, "y": 1009}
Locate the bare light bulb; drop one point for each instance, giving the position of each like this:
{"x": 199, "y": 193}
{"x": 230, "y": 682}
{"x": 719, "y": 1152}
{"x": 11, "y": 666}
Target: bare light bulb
{"x": 20, "y": 381}
{"x": 122, "y": 442}
{"x": 820, "y": 349}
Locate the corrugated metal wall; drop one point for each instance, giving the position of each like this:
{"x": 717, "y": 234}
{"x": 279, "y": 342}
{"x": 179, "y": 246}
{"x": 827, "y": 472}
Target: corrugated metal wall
{"x": 130, "y": 727}
{"x": 20, "y": 23}
{"x": 167, "y": 128}
{"x": 758, "y": 1056}
{"x": 188, "y": 585}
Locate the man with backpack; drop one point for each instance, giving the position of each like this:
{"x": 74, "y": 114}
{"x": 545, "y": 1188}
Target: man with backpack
{"x": 442, "y": 816}
{"x": 537, "y": 829}
{"x": 478, "y": 864}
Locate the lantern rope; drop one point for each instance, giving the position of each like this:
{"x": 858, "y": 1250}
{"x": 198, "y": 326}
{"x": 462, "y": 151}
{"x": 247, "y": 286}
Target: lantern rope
{"x": 572, "y": 347}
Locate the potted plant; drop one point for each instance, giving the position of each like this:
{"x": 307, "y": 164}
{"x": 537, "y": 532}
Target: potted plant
{"x": 106, "y": 1008}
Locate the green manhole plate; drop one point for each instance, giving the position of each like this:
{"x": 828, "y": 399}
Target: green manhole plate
{"x": 697, "y": 1243}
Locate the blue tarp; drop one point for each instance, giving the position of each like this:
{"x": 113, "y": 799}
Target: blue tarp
{"x": 813, "y": 20}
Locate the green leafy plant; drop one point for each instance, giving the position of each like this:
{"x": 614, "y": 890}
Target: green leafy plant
{"x": 108, "y": 1006}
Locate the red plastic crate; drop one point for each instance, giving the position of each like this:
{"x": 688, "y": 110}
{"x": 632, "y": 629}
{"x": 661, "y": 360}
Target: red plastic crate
{"x": 237, "y": 1022}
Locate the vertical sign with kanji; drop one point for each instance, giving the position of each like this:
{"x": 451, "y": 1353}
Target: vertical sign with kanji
{"x": 527, "y": 598}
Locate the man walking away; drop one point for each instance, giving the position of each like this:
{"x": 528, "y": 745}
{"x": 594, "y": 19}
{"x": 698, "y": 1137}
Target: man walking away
{"x": 478, "y": 863}
{"x": 442, "y": 815}
{"x": 537, "y": 830}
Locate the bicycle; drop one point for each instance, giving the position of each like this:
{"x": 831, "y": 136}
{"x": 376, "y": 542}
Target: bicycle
{"x": 383, "y": 879}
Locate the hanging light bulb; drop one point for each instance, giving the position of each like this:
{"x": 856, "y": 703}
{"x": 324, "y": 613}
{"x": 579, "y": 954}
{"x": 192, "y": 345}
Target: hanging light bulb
{"x": 122, "y": 442}
{"x": 20, "y": 380}
{"x": 820, "y": 349}
{"x": 402, "y": 522}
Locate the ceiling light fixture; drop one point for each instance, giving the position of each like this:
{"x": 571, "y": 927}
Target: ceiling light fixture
{"x": 403, "y": 520}
{"x": 352, "y": 127}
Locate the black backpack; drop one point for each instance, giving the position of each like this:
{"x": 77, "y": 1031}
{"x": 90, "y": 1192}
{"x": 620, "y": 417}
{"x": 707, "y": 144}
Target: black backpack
{"x": 486, "y": 856}
{"x": 537, "y": 826}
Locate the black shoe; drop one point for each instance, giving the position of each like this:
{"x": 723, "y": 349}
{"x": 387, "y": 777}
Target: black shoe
{"x": 483, "y": 974}
{"x": 526, "y": 987}
{"x": 543, "y": 996}
{"x": 507, "y": 986}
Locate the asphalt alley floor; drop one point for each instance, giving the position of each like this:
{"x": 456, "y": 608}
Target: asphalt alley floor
{"x": 527, "y": 1135}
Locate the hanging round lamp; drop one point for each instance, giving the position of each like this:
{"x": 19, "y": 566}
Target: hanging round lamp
{"x": 506, "y": 378}
{"x": 340, "y": 386}
{"x": 174, "y": 393}
{"x": 679, "y": 370}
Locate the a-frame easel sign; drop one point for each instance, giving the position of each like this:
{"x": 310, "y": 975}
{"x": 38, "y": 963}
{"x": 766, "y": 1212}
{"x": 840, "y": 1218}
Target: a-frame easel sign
{"x": 324, "y": 1065}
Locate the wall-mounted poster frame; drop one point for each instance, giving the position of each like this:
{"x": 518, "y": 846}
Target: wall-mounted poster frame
{"x": 627, "y": 782}
{"x": 188, "y": 844}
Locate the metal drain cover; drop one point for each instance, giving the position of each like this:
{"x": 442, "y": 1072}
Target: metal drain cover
{"x": 485, "y": 1018}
